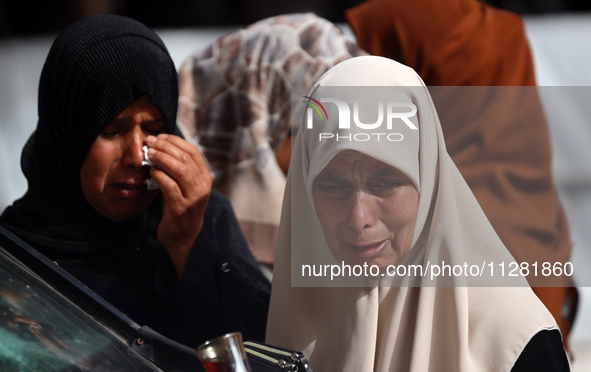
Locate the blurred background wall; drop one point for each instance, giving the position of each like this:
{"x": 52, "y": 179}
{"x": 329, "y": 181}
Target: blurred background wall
{"x": 18, "y": 17}
{"x": 559, "y": 32}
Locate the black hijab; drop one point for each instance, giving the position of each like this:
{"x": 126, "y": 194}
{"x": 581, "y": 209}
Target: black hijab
{"x": 95, "y": 69}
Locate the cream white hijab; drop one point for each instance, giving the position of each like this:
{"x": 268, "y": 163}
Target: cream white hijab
{"x": 426, "y": 325}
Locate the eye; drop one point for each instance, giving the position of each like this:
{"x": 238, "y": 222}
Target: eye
{"x": 330, "y": 187}
{"x": 384, "y": 186}
{"x": 388, "y": 183}
{"x": 155, "y": 128}
{"x": 334, "y": 189}
{"x": 155, "y": 132}
{"x": 110, "y": 131}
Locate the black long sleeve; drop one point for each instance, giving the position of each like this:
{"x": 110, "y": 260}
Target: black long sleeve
{"x": 543, "y": 353}
{"x": 222, "y": 289}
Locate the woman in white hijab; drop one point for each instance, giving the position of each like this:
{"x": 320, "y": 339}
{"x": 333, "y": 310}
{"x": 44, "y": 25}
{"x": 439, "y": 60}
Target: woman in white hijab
{"x": 363, "y": 200}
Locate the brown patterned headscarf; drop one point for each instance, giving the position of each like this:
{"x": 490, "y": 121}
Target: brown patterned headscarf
{"x": 235, "y": 105}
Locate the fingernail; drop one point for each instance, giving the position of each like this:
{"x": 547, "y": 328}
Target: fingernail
{"x": 151, "y": 151}
{"x": 163, "y": 135}
{"x": 151, "y": 139}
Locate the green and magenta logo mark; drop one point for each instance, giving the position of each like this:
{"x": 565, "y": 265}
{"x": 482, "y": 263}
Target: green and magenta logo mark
{"x": 314, "y": 104}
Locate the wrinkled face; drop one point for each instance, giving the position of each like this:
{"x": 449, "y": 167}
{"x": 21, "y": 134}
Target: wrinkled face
{"x": 367, "y": 209}
{"x": 112, "y": 175}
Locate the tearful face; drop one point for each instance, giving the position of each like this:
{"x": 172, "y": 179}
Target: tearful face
{"x": 367, "y": 209}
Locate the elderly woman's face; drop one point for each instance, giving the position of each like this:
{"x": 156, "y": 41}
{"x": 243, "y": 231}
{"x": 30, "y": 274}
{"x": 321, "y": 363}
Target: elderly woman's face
{"x": 112, "y": 175}
{"x": 367, "y": 209}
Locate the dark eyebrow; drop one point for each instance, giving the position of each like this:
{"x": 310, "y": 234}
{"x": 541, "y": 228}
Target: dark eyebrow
{"x": 155, "y": 121}
{"x": 330, "y": 177}
{"x": 387, "y": 172}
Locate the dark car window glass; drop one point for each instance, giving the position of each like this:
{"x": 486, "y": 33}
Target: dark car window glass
{"x": 42, "y": 331}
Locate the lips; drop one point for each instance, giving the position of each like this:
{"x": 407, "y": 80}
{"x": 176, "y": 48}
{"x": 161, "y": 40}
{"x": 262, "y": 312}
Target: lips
{"x": 129, "y": 189}
{"x": 365, "y": 250}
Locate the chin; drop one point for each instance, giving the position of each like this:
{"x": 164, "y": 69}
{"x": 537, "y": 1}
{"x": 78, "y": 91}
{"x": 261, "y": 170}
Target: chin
{"x": 125, "y": 214}
{"x": 123, "y": 217}
{"x": 382, "y": 261}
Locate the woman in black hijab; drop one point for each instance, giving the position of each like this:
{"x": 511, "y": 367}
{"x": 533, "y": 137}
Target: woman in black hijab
{"x": 174, "y": 258}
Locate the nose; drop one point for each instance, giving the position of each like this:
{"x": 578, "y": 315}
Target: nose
{"x": 362, "y": 214}
{"x": 132, "y": 152}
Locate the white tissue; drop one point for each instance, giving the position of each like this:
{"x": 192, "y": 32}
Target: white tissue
{"x": 147, "y": 160}
{"x": 150, "y": 183}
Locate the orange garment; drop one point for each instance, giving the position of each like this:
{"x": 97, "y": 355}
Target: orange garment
{"x": 501, "y": 146}
{"x": 449, "y": 43}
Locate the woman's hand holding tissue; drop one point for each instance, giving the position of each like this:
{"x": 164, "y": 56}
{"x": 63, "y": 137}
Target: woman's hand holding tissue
{"x": 182, "y": 175}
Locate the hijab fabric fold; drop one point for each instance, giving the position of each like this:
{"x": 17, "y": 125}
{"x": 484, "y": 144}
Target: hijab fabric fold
{"x": 426, "y": 325}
